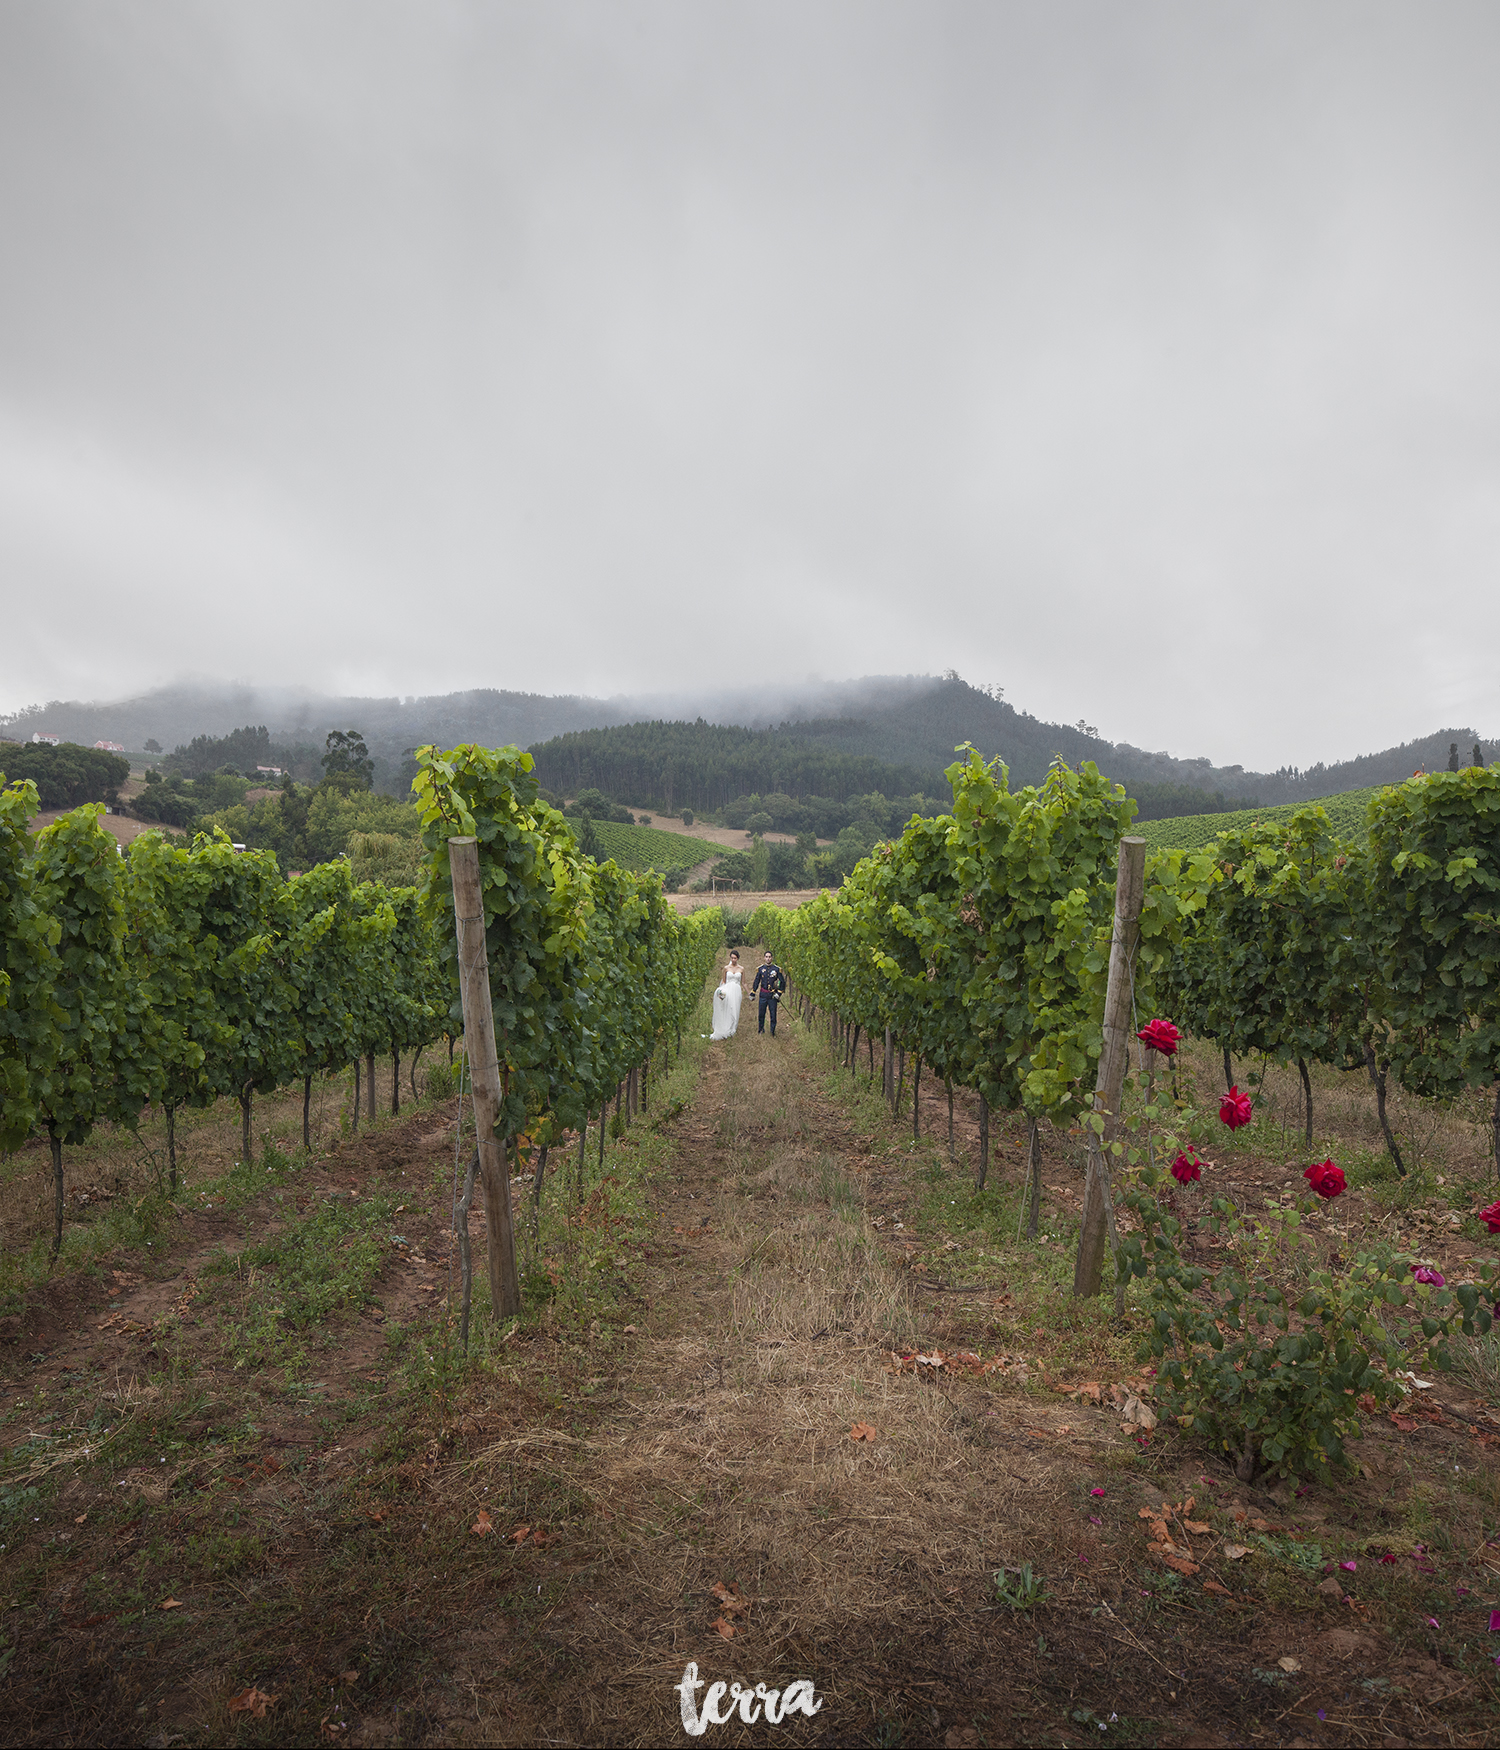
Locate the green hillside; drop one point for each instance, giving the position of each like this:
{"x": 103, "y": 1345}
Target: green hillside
{"x": 1346, "y": 815}
{"x": 645, "y": 847}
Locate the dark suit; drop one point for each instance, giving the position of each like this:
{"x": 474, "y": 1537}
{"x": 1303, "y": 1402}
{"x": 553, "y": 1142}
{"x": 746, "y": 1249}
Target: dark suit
{"x": 770, "y": 982}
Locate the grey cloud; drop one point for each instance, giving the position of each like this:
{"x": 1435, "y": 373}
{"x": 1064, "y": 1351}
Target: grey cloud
{"x": 1140, "y": 359}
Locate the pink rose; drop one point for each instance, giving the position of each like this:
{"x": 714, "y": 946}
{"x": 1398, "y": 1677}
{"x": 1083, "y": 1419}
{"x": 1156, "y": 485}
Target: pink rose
{"x": 1184, "y": 1170}
{"x": 1325, "y": 1178}
{"x": 1234, "y": 1109}
{"x": 1160, "y": 1036}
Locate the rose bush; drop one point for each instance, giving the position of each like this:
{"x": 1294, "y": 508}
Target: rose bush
{"x": 1272, "y": 1377}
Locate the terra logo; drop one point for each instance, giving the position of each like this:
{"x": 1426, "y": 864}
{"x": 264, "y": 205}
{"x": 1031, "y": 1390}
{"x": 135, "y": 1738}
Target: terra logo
{"x": 799, "y": 1697}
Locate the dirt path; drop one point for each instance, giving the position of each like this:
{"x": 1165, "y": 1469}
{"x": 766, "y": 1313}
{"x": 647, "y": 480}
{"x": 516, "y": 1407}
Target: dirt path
{"x": 735, "y": 1522}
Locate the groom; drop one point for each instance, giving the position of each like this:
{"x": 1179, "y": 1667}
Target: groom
{"x": 770, "y": 982}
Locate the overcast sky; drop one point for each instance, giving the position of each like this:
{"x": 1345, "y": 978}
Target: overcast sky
{"x": 1141, "y": 358}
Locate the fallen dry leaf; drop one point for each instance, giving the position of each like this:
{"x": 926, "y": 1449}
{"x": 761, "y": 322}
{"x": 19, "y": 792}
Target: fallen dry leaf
{"x": 1214, "y": 1586}
{"x": 378, "y": 1518}
{"x": 1179, "y": 1563}
{"x": 540, "y": 1539}
{"x": 1159, "y": 1531}
{"x": 483, "y": 1526}
{"x": 720, "y": 1626}
{"x": 252, "y": 1701}
{"x": 349, "y": 1676}
{"x": 1135, "y": 1414}
{"x": 1290, "y": 1665}
{"x": 1405, "y": 1423}
{"x": 170, "y": 1604}
{"x": 1196, "y": 1526}
{"x": 520, "y": 1534}
{"x": 1235, "y": 1550}
{"x": 732, "y": 1600}
{"x": 1260, "y": 1525}
{"x": 862, "y": 1431}
{"x": 80, "y": 1519}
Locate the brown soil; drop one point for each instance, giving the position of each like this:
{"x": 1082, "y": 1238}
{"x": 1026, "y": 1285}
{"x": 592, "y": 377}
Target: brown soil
{"x": 679, "y": 1482}
{"x": 787, "y": 898}
{"x": 121, "y": 826}
{"x": 730, "y": 837}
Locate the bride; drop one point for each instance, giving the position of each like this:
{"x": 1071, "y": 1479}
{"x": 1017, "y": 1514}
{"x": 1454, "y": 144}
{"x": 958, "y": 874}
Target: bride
{"x": 727, "y": 999}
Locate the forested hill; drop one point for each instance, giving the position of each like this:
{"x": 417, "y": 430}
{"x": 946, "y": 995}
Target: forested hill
{"x": 918, "y": 726}
{"x": 908, "y": 725}
{"x": 705, "y": 766}
{"x": 901, "y": 742}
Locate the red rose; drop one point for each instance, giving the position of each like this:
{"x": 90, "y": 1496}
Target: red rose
{"x": 1325, "y": 1178}
{"x": 1234, "y": 1109}
{"x": 1491, "y": 1218}
{"x": 1160, "y": 1036}
{"x": 1184, "y": 1171}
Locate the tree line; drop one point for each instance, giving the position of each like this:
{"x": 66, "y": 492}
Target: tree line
{"x": 703, "y": 766}
{"x": 65, "y": 775}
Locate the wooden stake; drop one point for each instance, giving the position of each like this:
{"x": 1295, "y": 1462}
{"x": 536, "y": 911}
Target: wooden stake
{"x": 1097, "y": 1230}
{"x": 1034, "y": 1178}
{"x": 484, "y": 1072}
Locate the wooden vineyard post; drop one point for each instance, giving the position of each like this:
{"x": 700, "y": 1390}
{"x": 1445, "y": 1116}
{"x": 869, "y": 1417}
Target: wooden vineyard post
{"x": 1097, "y": 1231}
{"x": 484, "y": 1072}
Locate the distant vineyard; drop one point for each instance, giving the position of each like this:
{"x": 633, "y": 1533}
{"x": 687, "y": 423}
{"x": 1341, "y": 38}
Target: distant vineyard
{"x": 1188, "y": 832}
{"x": 639, "y": 848}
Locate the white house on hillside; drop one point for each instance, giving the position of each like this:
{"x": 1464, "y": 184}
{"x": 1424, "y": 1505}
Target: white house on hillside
{"x": 42, "y": 735}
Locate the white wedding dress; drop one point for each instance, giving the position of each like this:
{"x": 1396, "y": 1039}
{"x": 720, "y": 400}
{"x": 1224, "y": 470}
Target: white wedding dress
{"x": 727, "y": 1005}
